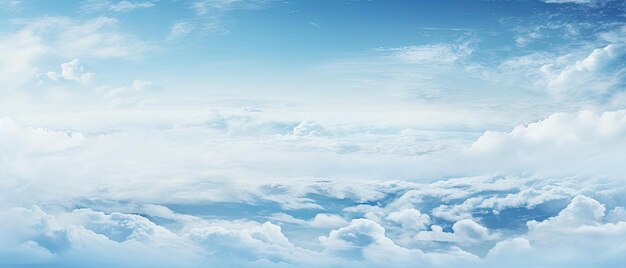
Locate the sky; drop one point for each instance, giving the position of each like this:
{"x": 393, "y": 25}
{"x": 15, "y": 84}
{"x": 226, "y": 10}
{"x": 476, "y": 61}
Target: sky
{"x": 330, "y": 133}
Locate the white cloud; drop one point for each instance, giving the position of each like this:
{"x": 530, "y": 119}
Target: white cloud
{"x": 410, "y": 219}
{"x": 505, "y": 248}
{"x": 124, "y": 6}
{"x": 180, "y": 29}
{"x": 195, "y": 187}
{"x": 577, "y": 237}
{"x": 599, "y": 74}
{"x": 586, "y": 142}
{"x": 22, "y": 51}
{"x": 97, "y": 38}
{"x": 573, "y": 1}
{"x": 104, "y": 239}
{"x": 75, "y": 71}
{"x": 251, "y": 242}
{"x": 320, "y": 221}
{"x": 465, "y": 232}
{"x": 163, "y": 165}
{"x": 431, "y": 54}
{"x": 202, "y": 7}
{"x": 119, "y": 6}
{"x": 615, "y": 36}
{"x": 365, "y": 240}
{"x": 119, "y": 227}
{"x": 309, "y": 128}
{"x": 17, "y": 139}
{"x": 330, "y": 221}
{"x": 18, "y": 54}
{"x": 581, "y": 211}
{"x": 211, "y": 13}
{"x": 10, "y": 5}
{"x": 136, "y": 94}
{"x": 616, "y": 215}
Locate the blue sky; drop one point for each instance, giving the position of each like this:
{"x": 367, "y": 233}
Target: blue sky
{"x": 260, "y": 133}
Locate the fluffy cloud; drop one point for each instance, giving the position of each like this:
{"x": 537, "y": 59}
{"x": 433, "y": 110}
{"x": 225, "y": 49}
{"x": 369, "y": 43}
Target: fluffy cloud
{"x": 309, "y": 128}
{"x": 599, "y": 74}
{"x": 17, "y": 139}
{"x": 184, "y": 176}
{"x": 74, "y": 71}
{"x": 324, "y": 220}
{"x": 578, "y": 236}
{"x": 33, "y": 236}
{"x": 465, "y": 232}
{"x": 581, "y": 211}
{"x": 23, "y": 50}
{"x": 45, "y": 237}
{"x": 264, "y": 241}
{"x": 18, "y": 53}
{"x": 39, "y": 237}
{"x": 593, "y": 141}
{"x": 410, "y": 219}
{"x": 365, "y": 240}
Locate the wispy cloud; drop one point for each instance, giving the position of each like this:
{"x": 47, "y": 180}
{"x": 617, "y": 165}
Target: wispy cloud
{"x": 121, "y": 6}
{"x": 445, "y": 29}
{"x": 315, "y": 24}
{"x": 211, "y": 14}
{"x": 180, "y": 29}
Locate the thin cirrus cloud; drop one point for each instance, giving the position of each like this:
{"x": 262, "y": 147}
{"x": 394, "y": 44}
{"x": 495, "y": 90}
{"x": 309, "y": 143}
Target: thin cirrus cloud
{"x": 117, "y": 6}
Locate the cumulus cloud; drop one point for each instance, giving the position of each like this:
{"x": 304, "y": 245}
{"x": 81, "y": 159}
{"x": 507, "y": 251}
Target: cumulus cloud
{"x": 579, "y": 235}
{"x": 236, "y": 187}
{"x": 245, "y": 242}
{"x": 264, "y": 241}
{"x": 465, "y": 232}
{"x": 363, "y": 238}
{"x": 601, "y": 73}
{"x": 73, "y": 71}
{"x": 410, "y": 219}
{"x": 324, "y": 220}
{"x": 581, "y": 211}
{"x": 47, "y": 238}
{"x": 585, "y": 138}
{"x": 309, "y": 128}
{"x": 169, "y": 205}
